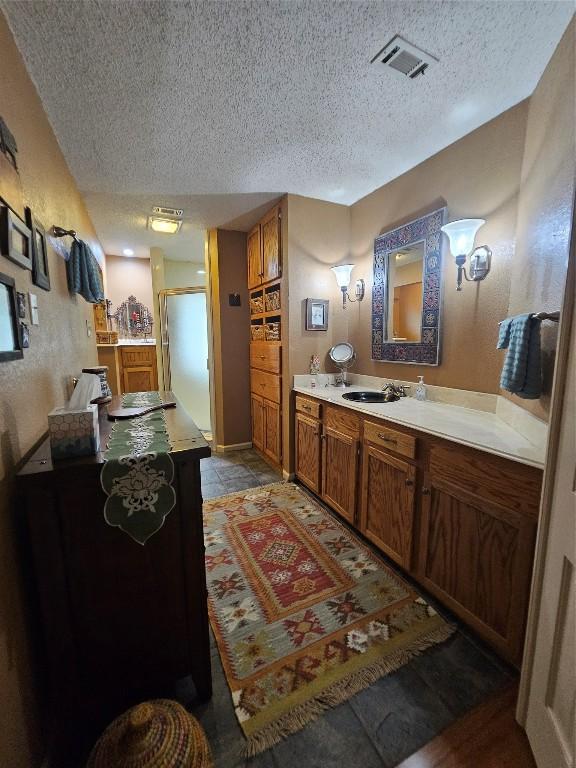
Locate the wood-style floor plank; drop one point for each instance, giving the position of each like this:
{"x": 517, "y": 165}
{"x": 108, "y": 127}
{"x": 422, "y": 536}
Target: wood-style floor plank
{"x": 488, "y": 737}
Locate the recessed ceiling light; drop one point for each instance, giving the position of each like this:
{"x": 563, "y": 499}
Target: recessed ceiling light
{"x": 201, "y": 272}
{"x": 166, "y": 226}
{"x": 128, "y": 252}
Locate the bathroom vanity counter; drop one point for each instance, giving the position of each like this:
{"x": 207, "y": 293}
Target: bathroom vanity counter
{"x": 449, "y": 493}
{"x": 132, "y": 365}
{"x": 476, "y": 429}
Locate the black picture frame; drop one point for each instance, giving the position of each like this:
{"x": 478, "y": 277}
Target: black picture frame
{"x": 39, "y": 245}
{"x": 15, "y": 238}
{"x": 9, "y": 291}
{"x": 317, "y": 314}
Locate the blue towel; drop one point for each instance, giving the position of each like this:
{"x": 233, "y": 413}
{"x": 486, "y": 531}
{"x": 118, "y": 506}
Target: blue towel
{"x": 522, "y": 369}
{"x": 83, "y": 273}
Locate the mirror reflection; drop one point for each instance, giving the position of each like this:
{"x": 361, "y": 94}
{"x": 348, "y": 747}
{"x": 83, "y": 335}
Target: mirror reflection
{"x": 405, "y": 277}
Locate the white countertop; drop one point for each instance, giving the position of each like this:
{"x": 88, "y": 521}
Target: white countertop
{"x": 477, "y": 429}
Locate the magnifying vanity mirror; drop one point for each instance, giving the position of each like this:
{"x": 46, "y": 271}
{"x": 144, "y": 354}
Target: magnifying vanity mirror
{"x": 343, "y": 356}
{"x": 406, "y": 296}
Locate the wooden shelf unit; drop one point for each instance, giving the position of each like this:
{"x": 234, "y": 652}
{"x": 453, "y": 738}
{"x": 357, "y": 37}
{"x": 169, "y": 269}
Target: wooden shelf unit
{"x": 264, "y": 254}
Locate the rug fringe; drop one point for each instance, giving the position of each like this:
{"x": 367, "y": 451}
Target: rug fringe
{"x": 339, "y": 692}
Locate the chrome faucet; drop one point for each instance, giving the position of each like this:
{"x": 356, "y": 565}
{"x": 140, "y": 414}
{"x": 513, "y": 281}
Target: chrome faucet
{"x": 396, "y": 391}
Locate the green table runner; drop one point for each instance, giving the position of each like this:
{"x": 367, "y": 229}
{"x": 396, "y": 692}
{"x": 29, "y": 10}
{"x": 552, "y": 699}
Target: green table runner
{"x": 138, "y": 471}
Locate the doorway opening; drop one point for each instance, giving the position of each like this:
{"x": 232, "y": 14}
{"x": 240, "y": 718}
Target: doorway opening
{"x": 185, "y": 352}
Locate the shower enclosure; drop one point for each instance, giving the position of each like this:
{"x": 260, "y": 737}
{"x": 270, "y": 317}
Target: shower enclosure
{"x": 184, "y": 334}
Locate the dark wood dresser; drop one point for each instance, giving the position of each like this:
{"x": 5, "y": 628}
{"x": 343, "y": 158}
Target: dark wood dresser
{"x": 121, "y": 621}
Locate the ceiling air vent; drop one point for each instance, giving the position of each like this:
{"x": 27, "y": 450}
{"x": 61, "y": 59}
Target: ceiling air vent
{"x": 161, "y": 211}
{"x": 404, "y": 57}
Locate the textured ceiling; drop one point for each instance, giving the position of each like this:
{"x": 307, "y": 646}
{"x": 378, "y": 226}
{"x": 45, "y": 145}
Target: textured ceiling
{"x": 221, "y": 106}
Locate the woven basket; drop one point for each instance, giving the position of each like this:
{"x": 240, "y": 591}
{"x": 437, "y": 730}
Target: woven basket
{"x": 257, "y": 332}
{"x": 273, "y": 332}
{"x": 256, "y": 304}
{"x": 156, "y": 734}
{"x": 272, "y": 300}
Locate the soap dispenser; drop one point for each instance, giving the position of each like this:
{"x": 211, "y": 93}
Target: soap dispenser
{"x": 420, "y": 393}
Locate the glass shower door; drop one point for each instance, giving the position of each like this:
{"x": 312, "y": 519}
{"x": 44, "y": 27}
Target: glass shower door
{"x": 185, "y": 346}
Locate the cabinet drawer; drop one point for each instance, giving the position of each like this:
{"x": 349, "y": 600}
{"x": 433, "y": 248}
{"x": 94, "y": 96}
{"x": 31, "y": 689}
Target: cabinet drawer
{"x": 489, "y": 477}
{"x": 390, "y": 439}
{"x": 342, "y": 420}
{"x": 265, "y": 384}
{"x": 265, "y": 356}
{"x": 310, "y": 407}
{"x": 134, "y": 356}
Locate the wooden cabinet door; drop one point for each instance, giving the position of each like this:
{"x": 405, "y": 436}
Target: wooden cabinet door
{"x": 272, "y": 431}
{"x": 339, "y": 472}
{"x": 139, "y": 379}
{"x": 387, "y": 517}
{"x": 308, "y": 442}
{"x": 271, "y": 245}
{"x": 254, "y": 254}
{"x": 476, "y": 556}
{"x": 257, "y": 421}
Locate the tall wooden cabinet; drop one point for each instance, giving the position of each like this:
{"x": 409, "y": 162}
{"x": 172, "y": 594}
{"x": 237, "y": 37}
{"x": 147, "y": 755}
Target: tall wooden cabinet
{"x": 264, "y": 254}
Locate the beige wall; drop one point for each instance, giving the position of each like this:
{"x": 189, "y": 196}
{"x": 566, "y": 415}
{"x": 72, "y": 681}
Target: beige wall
{"x": 315, "y": 237}
{"x": 538, "y": 268}
{"x": 29, "y": 388}
{"x": 182, "y": 274}
{"x": 477, "y": 176}
{"x": 128, "y": 277}
{"x": 231, "y": 336}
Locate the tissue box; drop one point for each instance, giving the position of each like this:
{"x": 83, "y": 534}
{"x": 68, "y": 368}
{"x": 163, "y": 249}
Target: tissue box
{"x": 74, "y": 433}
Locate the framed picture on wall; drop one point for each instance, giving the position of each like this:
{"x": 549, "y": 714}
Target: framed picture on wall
{"x": 316, "y": 314}
{"x": 40, "y": 271}
{"x": 15, "y": 238}
{"x": 10, "y": 340}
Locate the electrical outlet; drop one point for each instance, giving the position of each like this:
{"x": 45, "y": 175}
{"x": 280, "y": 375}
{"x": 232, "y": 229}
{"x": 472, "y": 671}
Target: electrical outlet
{"x": 88, "y": 328}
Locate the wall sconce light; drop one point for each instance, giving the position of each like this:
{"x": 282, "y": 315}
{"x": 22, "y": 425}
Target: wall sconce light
{"x": 342, "y": 275}
{"x": 461, "y": 236}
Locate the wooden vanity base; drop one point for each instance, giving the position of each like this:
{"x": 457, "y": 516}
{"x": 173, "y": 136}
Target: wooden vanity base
{"x": 461, "y": 521}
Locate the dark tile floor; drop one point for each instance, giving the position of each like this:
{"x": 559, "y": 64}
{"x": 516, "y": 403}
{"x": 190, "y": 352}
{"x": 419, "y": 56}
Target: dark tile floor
{"x": 381, "y": 725}
{"x": 235, "y": 471}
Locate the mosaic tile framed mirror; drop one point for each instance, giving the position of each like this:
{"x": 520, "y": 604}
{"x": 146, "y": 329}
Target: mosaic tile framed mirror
{"x": 407, "y": 292}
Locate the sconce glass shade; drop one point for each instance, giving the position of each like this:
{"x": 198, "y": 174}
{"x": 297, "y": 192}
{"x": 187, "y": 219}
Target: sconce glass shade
{"x": 461, "y": 235}
{"x": 342, "y": 274}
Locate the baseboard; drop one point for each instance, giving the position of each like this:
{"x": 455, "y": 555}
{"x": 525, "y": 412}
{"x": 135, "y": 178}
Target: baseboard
{"x": 288, "y": 475}
{"x": 232, "y": 447}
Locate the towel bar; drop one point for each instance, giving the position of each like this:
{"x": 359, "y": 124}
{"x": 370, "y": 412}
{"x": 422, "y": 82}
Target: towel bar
{"x": 553, "y": 316}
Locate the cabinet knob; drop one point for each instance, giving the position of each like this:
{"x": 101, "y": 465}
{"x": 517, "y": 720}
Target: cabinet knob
{"x": 409, "y": 483}
{"x": 425, "y": 491}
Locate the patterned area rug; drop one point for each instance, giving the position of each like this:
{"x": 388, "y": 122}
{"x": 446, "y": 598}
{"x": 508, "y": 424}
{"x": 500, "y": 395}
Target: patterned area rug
{"x": 304, "y": 614}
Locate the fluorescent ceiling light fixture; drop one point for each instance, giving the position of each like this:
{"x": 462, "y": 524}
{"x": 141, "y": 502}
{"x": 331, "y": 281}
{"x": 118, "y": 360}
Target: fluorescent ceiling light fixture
{"x": 128, "y": 252}
{"x": 166, "y": 226}
{"x": 201, "y": 272}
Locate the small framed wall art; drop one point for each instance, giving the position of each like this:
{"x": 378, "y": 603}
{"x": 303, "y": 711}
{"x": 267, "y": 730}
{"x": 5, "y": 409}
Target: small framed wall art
{"x": 15, "y": 238}
{"x": 25, "y": 335}
{"x": 10, "y": 339}
{"x": 21, "y": 304}
{"x": 40, "y": 271}
{"x": 316, "y": 314}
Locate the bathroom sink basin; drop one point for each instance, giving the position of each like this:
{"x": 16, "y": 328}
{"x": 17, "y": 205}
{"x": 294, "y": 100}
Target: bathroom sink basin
{"x": 366, "y": 397}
